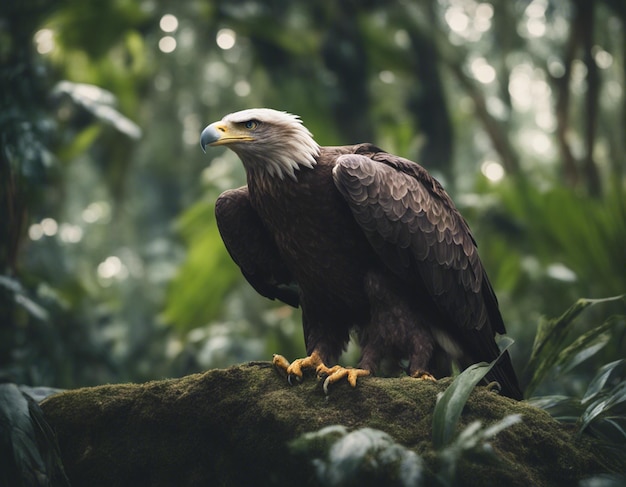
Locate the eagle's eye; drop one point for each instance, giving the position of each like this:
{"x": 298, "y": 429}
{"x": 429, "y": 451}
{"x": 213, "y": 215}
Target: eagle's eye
{"x": 251, "y": 124}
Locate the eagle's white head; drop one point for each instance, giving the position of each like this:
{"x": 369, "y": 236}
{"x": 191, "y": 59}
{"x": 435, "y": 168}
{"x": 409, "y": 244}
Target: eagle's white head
{"x": 268, "y": 142}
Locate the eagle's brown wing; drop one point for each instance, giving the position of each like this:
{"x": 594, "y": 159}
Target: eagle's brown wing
{"x": 418, "y": 233}
{"x": 251, "y": 247}
{"x": 412, "y": 224}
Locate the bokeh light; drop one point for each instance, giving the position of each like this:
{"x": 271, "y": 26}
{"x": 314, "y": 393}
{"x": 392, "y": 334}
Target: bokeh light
{"x": 242, "y": 88}
{"x": 226, "y": 39}
{"x": 168, "y": 23}
{"x": 167, "y": 44}
{"x": 492, "y": 170}
{"x": 457, "y": 19}
{"x": 482, "y": 70}
{"x": 44, "y": 41}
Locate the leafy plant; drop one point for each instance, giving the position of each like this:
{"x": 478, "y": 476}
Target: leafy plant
{"x": 549, "y": 349}
{"x": 362, "y": 457}
{"x": 451, "y": 403}
{"x": 29, "y": 449}
{"x": 605, "y": 403}
{"x": 371, "y": 457}
{"x": 601, "y": 410}
{"x": 472, "y": 440}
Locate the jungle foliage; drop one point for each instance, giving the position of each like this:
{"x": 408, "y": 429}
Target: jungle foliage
{"x": 111, "y": 267}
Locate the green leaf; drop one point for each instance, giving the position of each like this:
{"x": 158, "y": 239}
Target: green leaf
{"x": 587, "y": 344}
{"x": 451, "y": 403}
{"x": 612, "y": 429}
{"x": 563, "y": 408}
{"x": 472, "y": 439}
{"x": 362, "y": 457}
{"x": 196, "y": 294}
{"x": 550, "y": 339}
{"x": 602, "y": 377}
{"x": 31, "y": 454}
{"x": 506, "y": 422}
{"x": 616, "y": 397}
{"x": 81, "y": 142}
{"x": 22, "y": 299}
{"x": 100, "y": 103}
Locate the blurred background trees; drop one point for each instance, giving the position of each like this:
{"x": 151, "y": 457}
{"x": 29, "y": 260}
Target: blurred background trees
{"x": 111, "y": 267}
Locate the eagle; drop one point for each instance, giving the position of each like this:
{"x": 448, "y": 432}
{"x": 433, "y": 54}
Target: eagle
{"x": 366, "y": 243}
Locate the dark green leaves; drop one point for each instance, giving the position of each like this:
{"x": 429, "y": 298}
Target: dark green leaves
{"x": 362, "y": 457}
{"x": 601, "y": 411}
{"x": 549, "y": 348}
{"x": 28, "y": 447}
{"x": 451, "y": 403}
{"x": 99, "y": 102}
{"x": 474, "y": 440}
{"x": 197, "y": 292}
{"x": 605, "y": 402}
{"x": 20, "y": 296}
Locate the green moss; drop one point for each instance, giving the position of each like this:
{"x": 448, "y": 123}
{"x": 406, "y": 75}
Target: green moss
{"x": 232, "y": 427}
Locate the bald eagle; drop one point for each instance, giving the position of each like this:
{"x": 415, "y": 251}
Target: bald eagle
{"x": 363, "y": 241}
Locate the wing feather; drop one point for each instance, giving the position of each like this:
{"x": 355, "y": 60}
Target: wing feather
{"x": 252, "y": 248}
{"x": 413, "y": 225}
{"x": 415, "y": 228}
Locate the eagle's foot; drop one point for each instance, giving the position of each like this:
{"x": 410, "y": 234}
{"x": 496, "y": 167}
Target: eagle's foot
{"x": 336, "y": 373}
{"x": 280, "y": 363}
{"x": 494, "y": 387}
{"x": 294, "y": 370}
{"x": 423, "y": 375}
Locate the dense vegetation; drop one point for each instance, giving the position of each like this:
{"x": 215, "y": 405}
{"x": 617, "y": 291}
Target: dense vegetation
{"x": 111, "y": 268}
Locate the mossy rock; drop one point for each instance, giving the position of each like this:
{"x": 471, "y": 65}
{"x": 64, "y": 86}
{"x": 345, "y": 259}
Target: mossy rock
{"x": 233, "y": 427}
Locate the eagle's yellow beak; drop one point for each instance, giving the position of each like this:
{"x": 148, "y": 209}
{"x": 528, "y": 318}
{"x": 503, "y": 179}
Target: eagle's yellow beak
{"x": 222, "y": 133}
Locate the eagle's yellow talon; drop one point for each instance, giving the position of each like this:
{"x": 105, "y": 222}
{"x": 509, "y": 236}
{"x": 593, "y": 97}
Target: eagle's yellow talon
{"x": 280, "y": 362}
{"x": 338, "y": 372}
{"x": 356, "y": 373}
{"x": 423, "y": 375}
{"x": 291, "y": 371}
{"x": 295, "y": 369}
{"x": 314, "y": 361}
{"x": 494, "y": 386}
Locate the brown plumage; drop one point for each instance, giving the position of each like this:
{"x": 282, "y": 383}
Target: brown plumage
{"x": 362, "y": 240}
